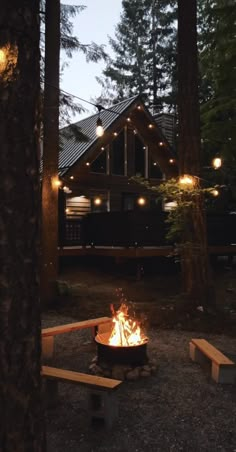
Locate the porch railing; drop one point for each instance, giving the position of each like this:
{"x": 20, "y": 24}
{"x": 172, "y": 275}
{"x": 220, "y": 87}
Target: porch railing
{"x": 138, "y": 229}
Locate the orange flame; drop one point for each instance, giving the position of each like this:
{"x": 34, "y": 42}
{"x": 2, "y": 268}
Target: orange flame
{"x": 126, "y": 331}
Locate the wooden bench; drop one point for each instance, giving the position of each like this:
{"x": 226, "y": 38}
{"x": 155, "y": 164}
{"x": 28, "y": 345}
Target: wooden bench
{"x": 223, "y": 370}
{"x": 49, "y": 333}
{"x": 103, "y": 402}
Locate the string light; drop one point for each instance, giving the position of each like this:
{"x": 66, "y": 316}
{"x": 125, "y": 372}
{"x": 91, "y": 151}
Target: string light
{"x": 97, "y": 201}
{"x": 186, "y": 180}
{"x": 215, "y": 192}
{"x": 141, "y": 201}
{"x": 217, "y": 162}
{"x": 99, "y": 128}
{"x": 56, "y": 183}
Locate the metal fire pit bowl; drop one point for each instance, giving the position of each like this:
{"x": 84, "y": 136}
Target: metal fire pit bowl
{"x": 134, "y": 355}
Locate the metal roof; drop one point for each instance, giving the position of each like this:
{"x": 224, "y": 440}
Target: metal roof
{"x": 72, "y": 150}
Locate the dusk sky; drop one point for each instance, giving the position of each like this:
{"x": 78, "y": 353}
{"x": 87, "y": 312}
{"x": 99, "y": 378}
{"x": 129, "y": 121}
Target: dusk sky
{"x": 95, "y": 23}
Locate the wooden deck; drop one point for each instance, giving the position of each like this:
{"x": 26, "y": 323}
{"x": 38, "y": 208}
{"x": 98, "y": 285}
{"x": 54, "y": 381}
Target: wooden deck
{"x": 136, "y": 252}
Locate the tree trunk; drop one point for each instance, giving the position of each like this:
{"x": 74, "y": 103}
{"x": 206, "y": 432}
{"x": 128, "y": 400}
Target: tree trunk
{"x": 49, "y": 270}
{"x": 21, "y": 414}
{"x": 197, "y": 281}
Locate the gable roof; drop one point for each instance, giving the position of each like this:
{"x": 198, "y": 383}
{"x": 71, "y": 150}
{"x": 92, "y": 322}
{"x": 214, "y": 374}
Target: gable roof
{"x": 73, "y": 150}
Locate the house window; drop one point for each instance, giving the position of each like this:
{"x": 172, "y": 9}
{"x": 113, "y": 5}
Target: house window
{"x": 140, "y": 150}
{"x": 117, "y": 154}
{"x": 155, "y": 170}
{"x": 99, "y": 165}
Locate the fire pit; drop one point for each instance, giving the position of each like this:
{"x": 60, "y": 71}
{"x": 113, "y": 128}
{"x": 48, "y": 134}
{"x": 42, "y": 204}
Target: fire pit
{"x": 122, "y": 351}
{"x": 134, "y": 355}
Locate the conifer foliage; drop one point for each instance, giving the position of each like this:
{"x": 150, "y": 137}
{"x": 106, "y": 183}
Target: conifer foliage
{"x": 218, "y": 76}
{"x": 144, "y": 50}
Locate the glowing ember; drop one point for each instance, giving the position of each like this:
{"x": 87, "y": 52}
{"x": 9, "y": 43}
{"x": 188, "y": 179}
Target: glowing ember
{"x": 126, "y": 330}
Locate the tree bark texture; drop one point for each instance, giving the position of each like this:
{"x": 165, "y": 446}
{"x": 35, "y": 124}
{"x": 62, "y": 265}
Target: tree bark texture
{"x": 194, "y": 257}
{"x": 21, "y": 414}
{"x": 49, "y": 268}
{"x": 188, "y": 103}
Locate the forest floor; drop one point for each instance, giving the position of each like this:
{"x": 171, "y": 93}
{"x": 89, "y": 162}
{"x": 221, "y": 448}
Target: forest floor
{"x": 179, "y": 407}
{"x": 88, "y": 287}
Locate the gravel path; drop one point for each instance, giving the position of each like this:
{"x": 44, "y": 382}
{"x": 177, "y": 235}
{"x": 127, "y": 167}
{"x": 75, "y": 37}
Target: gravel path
{"x": 178, "y": 409}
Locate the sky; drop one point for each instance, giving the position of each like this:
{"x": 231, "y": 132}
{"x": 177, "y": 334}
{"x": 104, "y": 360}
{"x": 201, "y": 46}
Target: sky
{"x": 95, "y": 23}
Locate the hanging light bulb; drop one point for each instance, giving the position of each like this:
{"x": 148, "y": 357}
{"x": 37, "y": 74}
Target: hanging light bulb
{"x": 99, "y": 129}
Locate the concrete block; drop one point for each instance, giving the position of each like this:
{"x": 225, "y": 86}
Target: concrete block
{"x": 223, "y": 374}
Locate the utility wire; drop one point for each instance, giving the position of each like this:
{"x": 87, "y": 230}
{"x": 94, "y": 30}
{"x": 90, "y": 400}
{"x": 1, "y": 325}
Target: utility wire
{"x": 98, "y": 106}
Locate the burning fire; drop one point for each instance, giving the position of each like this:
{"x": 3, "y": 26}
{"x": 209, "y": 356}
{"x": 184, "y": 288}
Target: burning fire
{"x": 126, "y": 330}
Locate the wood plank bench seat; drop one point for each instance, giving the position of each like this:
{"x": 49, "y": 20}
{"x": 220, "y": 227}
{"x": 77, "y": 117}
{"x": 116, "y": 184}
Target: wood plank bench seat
{"x": 223, "y": 370}
{"x": 103, "y": 402}
{"x": 48, "y": 334}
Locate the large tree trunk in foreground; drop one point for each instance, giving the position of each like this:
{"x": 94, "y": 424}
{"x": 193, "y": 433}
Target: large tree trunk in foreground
{"x": 49, "y": 270}
{"x": 21, "y": 415}
{"x": 194, "y": 256}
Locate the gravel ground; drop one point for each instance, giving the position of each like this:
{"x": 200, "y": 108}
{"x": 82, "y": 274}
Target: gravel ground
{"x": 178, "y": 409}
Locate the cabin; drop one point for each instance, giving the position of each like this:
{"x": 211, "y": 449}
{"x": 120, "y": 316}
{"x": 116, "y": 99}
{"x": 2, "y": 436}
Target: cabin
{"x": 100, "y": 205}
{"x": 97, "y": 173}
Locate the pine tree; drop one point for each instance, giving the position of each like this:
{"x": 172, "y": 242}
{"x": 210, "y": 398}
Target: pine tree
{"x": 218, "y": 77}
{"x": 58, "y": 33}
{"x": 69, "y": 44}
{"x": 144, "y": 54}
{"x": 197, "y": 282}
{"x": 21, "y": 413}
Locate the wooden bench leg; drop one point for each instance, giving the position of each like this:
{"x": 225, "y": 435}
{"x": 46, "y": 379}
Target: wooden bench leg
{"x": 103, "y": 405}
{"x": 196, "y": 355}
{"x": 47, "y": 347}
{"x": 223, "y": 374}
